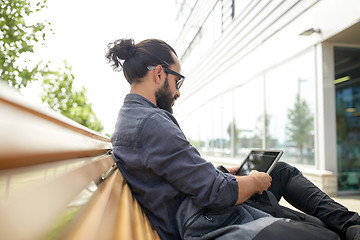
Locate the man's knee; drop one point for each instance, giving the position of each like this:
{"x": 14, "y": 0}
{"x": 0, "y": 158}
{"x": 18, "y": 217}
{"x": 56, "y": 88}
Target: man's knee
{"x": 281, "y": 165}
{"x": 285, "y": 168}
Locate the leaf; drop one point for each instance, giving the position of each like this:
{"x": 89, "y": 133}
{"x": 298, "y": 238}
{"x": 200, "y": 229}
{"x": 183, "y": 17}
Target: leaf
{"x": 18, "y": 38}
{"x": 59, "y": 94}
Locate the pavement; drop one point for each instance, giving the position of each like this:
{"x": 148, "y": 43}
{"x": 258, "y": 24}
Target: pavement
{"x": 351, "y": 202}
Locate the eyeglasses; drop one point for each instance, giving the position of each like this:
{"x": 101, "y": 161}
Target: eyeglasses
{"x": 179, "y": 82}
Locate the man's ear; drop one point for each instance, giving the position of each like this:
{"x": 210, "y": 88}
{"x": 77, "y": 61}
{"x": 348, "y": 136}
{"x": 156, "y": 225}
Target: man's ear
{"x": 158, "y": 74}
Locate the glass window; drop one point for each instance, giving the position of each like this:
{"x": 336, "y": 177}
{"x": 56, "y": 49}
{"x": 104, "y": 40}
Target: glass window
{"x": 192, "y": 127}
{"x": 207, "y": 128}
{"x": 216, "y": 142}
{"x": 199, "y": 128}
{"x": 347, "y": 85}
{"x": 290, "y": 108}
{"x": 226, "y": 123}
{"x": 248, "y": 116}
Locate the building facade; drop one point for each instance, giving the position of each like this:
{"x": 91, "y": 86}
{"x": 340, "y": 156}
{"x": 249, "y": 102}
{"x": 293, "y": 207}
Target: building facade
{"x": 274, "y": 74}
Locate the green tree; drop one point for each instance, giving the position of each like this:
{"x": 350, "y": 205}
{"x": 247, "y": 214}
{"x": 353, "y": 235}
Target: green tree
{"x": 17, "y": 41}
{"x": 17, "y": 38}
{"x": 300, "y": 124}
{"x": 61, "y": 95}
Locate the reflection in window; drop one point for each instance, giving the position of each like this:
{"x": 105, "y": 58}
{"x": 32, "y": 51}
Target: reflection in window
{"x": 290, "y": 107}
{"x": 216, "y": 142}
{"x": 226, "y": 126}
{"x": 347, "y": 84}
{"x": 279, "y": 115}
{"x": 248, "y": 115}
{"x": 193, "y": 127}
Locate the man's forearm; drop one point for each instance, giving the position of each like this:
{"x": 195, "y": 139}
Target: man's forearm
{"x": 246, "y": 188}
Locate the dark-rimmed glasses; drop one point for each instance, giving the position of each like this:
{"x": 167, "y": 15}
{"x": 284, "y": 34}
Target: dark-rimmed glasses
{"x": 179, "y": 82}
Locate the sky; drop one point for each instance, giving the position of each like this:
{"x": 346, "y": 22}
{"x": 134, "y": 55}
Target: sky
{"x": 81, "y": 31}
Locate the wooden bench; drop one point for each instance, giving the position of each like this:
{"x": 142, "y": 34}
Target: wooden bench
{"x": 58, "y": 180}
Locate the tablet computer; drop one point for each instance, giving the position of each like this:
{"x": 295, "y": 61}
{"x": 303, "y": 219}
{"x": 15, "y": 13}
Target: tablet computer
{"x": 260, "y": 160}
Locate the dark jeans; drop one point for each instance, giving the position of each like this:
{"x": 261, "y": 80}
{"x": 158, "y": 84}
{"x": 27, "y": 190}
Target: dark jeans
{"x": 288, "y": 182}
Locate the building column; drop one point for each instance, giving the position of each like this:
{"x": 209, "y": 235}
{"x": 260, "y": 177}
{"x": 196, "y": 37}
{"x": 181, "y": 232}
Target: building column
{"x": 326, "y": 108}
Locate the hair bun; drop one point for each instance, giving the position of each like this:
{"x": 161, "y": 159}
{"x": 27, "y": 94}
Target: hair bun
{"x": 121, "y": 49}
{"x": 124, "y": 48}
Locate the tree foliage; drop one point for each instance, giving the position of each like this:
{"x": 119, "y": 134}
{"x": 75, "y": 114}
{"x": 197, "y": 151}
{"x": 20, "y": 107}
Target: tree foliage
{"x": 18, "y": 38}
{"x": 301, "y": 123}
{"x": 61, "y": 95}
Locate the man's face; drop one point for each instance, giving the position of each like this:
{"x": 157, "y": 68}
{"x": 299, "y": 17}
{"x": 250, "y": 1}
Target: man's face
{"x": 168, "y": 93}
{"x": 164, "y": 97}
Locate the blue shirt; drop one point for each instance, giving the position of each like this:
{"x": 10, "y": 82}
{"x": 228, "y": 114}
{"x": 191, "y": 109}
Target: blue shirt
{"x": 160, "y": 165}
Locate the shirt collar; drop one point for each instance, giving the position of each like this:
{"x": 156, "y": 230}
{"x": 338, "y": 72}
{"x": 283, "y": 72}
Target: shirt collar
{"x": 136, "y": 98}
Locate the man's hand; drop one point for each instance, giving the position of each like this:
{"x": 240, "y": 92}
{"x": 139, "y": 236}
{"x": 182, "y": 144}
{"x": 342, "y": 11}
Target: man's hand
{"x": 232, "y": 170}
{"x": 256, "y": 182}
{"x": 262, "y": 180}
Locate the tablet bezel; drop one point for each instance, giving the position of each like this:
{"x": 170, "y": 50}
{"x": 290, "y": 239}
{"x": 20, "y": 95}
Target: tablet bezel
{"x": 278, "y": 156}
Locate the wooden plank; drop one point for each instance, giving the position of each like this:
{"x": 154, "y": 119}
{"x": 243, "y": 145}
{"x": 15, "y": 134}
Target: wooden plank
{"x": 87, "y": 224}
{"x": 27, "y": 214}
{"x": 133, "y": 223}
{"x": 109, "y": 221}
{"x": 16, "y": 179}
{"x": 113, "y": 213}
{"x": 30, "y": 134}
{"x": 143, "y": 228}
{"x": 30, "y": 159}
{"x": 139, "y": 227}
{"x": 124, "y": 229}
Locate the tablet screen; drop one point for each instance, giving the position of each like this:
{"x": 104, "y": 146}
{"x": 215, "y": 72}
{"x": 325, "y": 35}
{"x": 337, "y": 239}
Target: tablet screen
{"x": 260, "y": 160}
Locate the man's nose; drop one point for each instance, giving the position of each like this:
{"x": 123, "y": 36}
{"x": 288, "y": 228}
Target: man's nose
{"x": 177, "y": 94}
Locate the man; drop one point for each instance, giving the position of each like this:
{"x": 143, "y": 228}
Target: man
{"x": 162, "y": 167}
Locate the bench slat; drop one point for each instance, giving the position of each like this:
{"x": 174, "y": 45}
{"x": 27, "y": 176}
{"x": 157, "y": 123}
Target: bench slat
{"x": 31, "y": 159}
{"x": 112, "y": 213}
{"x": 45, "y": 201}
{"x": 133, "y": 224}
{"x": 87, "y": 224}
{"x": 31, "y": 136}
{"x": 143, "y": 231}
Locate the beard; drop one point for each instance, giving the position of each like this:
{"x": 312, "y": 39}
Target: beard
{"x": 163, "y": 96}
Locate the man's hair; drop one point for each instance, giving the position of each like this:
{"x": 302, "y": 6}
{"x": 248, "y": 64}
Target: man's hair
{"x": 134, "y": 59}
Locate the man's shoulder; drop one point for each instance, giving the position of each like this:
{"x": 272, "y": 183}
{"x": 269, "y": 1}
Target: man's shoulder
{"x": 159, "y": 120}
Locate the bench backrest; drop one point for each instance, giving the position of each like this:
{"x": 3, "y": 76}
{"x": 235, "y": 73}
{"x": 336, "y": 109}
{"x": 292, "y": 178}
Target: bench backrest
{"x": 57, "y": 179}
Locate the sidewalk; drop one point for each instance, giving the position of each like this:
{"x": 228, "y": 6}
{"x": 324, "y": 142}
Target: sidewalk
{"x": 351, "y": 202}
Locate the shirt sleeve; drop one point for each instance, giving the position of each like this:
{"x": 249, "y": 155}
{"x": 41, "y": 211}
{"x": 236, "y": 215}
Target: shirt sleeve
{"x": 169, "y": 155}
